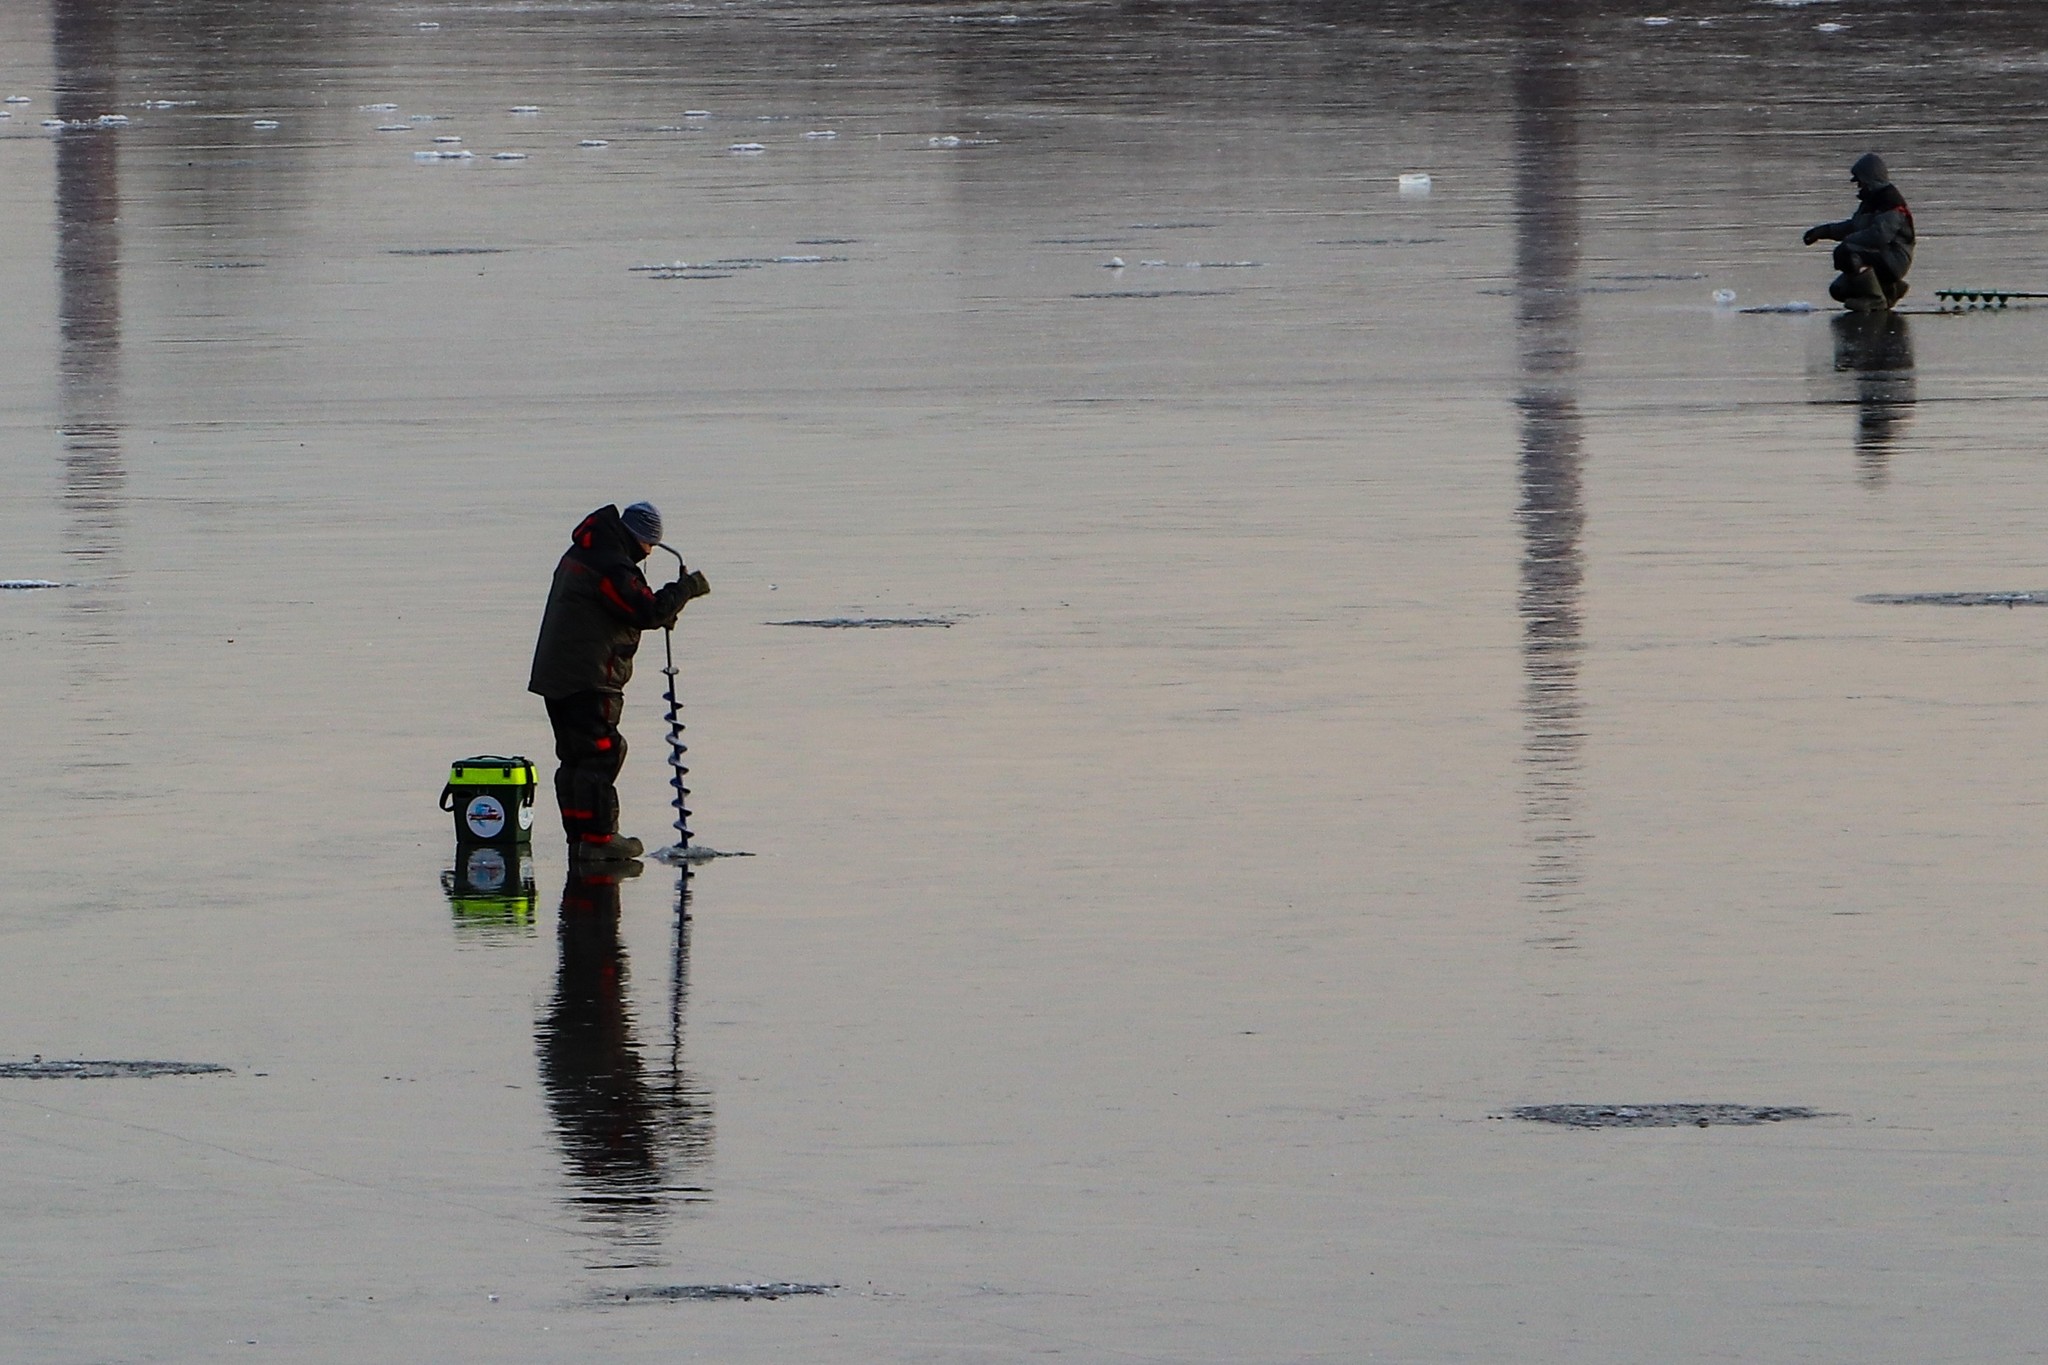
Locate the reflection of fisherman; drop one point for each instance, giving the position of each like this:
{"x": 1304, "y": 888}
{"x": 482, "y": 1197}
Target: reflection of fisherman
{"x": 1876, "y": 241}
{"x": 1878, "y": 350}
{"x": 624, "y": 1136}
{"x": 597, "y": 607}
{"x": 589, "y": 1066}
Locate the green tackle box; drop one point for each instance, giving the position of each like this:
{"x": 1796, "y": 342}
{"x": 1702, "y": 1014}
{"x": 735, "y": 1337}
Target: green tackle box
{"x": 491, "y": 798}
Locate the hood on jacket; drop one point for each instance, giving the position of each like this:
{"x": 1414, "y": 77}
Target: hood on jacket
{"x": 604, "y": 529}
{"x": 1869, "y": 173}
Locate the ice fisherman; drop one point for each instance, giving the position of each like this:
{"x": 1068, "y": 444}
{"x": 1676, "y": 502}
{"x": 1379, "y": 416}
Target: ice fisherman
{"x": 597, "y": 607}
{"x": 1875, "y": 243}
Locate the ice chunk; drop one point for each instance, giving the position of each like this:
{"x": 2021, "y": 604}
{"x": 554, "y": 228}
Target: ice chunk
{"x": 508, "y": 156}
{"x": 114, "y": 121}
{"x": 266, "y": 124}
{"x": 1657, "y": 21}
{"x": 821, "y": 134}
{"x": 394, "y": 127}
{"x": 162, "y": 104}
{"x": 53, "y": 123}
{"x": 1724, "y": 297}
{"x": 593, "y": 142}
{"x": 428, "y": 24}
{"x": 17, "y": 99}
{"x": 379, "y": 108}
{"x": 696, "y": 113}
{"x": 445, "y": 154}
{"x": 26, "y": 584}
{"x": 1114, "y": 263}
{"x": 1829, "y": 27}
{"x": 746, "y": 149}
{"x": 448, "y": 138}
{"x": 1414, "y": 182}
{"x": 524, "y": 109}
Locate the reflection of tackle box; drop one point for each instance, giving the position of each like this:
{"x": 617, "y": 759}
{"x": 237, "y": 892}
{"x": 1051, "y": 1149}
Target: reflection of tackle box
{"x": 492, "y": 799}
{"x": 490, "y": 888}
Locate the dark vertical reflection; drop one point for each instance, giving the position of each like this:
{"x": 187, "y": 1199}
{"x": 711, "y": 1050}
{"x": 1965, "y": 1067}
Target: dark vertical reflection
{"x": 84, "y": 43}
{"x": 1552, "y": 507}
{"x": 633, "y": 1135}
{"x": 1877, "y": 348}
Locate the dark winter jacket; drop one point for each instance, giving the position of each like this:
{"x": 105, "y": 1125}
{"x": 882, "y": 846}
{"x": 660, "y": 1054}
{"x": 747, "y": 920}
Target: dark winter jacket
{"x": 1881, "y": 229}
{"x": 597, "y": 607}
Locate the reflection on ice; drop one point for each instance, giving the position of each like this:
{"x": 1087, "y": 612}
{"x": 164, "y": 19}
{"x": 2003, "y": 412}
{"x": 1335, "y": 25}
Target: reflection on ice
{"x": 1877, "y": 349}
{"x": 633, "y": 1131}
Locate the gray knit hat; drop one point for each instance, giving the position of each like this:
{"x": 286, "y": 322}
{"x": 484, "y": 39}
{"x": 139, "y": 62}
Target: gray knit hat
{"x": 644, "y": 522}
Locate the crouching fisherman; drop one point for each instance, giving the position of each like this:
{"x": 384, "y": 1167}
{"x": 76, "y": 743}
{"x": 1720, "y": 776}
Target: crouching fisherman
{"x": 1875, "y": 243}
{"x": 597, "y": 607}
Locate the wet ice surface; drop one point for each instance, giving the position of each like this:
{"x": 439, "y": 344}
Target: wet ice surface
{"x": 1419, "y": 673}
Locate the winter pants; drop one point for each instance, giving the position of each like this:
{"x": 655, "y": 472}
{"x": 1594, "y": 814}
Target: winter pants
{"x": 1880, "y": 287}
{"x": 590, "y": 749}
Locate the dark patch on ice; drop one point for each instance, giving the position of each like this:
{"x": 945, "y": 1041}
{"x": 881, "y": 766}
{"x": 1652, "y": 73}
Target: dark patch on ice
{"x": 1658, "y": 276}
{"x": 1956, "y": 599}
{"x": 40, "y": 1070}
{"x": 1075, "y": 241}
{"x": 673, "y": 1293}
{"x": 828, "y": 241}
{"x": 26, "y": 584}
{"x": 742, "y": 262}
{"x": 229, "y": 265}
{"x": 1380, "y": 241}
{"x": 1661, "y": 1115}
{"x": 449, "y": 250}
{"x": 1168, "y": 227}
{"x": 1797, "y": 307}
{"x": 1152, "y": 293}
{"x": 869, "y": 622}
{"x": 723, "y": 268}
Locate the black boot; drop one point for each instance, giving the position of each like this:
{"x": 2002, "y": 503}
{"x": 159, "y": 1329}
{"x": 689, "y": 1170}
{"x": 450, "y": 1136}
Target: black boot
{"x": 613, "y": 848}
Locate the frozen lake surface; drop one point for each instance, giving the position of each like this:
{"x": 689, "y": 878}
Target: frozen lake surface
{"x": 1428, "y": 662}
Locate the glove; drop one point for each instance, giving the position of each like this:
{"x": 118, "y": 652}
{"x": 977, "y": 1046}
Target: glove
{"x": 695, "y": 585}
{"x": 1812, "y": 236}
{"x": 668, "y": 603}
